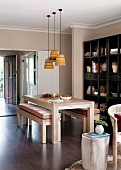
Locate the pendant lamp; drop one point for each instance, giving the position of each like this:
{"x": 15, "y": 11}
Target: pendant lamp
{"x": 53, "y": 53}
{"x": 60, "y": 59}
{"x": 48, "y": 64}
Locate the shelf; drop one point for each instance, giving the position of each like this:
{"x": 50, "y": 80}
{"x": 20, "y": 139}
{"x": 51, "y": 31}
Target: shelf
{"x": 102, "y": 76}
{"x": 103, "y": 96}
{"x": 85, "y": 57}
{"x": 91, "y": 76}
{"x": 104, "y": 117}
{"x": 114, "y": 98}
{"x": 101, "y": 56}
{"x": 111, "y": 81}
{"x": 94, "y": 95}
{"x": 113, "y": 54}
{"x": 119, "y": 77}
{"x": 87, "y": 94}
{"x": 113, "y": 76}
{"x": 103, "y": 79}
{"x": 103, "y": 113}
{"x": 94, "y": 57}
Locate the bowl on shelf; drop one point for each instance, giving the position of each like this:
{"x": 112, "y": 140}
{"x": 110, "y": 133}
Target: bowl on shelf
{"x": 66, "y": 97}
{"x": 95, "y": 92}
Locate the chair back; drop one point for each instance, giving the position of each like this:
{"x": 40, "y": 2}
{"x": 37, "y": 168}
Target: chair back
{"x": 115, "y": 109}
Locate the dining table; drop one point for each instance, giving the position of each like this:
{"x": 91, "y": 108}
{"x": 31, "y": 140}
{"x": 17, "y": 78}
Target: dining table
{"x": 56, "y": 104}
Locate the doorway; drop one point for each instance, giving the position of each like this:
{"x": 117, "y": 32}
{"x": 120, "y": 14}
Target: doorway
{"x": 1, "y": 77}
{"x": 10, "y": 88}
{"x": 7, "y": 86}
{"x": 10, "y": 79}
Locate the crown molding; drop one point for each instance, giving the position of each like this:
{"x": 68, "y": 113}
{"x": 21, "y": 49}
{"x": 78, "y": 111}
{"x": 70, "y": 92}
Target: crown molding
{"x": 108, "y": 22}
{"x": 97, "y": 25}
{"x": 17, "y": 49}
{"x": 29, "y": 29}
{"x": 78, "y": 25}
{"x": 66, "y": 27}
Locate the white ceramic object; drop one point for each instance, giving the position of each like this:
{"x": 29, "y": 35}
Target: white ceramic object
{"x": 104, "y": 67}
{"x": 65, "y": 97}
{"x": 95, "y": 93}
{"x": 99, "y": 129}
{"x": 115, "y": 68}
{"x": 55, "y": 101}
{"x": 114, "y": 94}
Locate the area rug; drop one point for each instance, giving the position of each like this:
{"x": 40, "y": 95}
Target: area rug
{"x": 78, "y": 165}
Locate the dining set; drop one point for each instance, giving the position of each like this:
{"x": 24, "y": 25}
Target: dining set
{"x": 55, "y": 105}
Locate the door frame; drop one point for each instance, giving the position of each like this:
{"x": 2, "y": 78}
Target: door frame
{"x": 10, "y": 79}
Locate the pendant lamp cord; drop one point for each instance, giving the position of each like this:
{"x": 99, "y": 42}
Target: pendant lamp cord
{"x": 54, "y": 29}
{"x": 48, "y": 34}
{"x": 60, "y": 29}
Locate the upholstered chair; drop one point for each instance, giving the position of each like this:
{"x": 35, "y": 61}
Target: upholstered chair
{"x": 115, "y": 116}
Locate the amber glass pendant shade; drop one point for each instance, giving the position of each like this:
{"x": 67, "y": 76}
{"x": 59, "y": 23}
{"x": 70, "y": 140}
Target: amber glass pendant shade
{"x": 60, "y": 58}
{"x": 48, "y": 64}
{"x": 53, "y": 55}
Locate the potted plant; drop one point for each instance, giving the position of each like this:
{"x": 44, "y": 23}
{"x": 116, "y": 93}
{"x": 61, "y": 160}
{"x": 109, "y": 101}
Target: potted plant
{"x": 114, "y": 67}
{"x": 99, "y": 129}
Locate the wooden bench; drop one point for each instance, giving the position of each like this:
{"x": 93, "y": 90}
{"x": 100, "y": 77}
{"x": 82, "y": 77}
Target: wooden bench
{"x": 38, "y": 114}
{"x": 80, "y": 114}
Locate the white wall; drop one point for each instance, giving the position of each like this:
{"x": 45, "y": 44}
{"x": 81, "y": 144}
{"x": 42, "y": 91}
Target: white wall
{"x": 48, "y": 79}
{"x": 37, "y": 41}
{"x": 22, "y": 77}
{"x": 78, "y": 36}
{"x": 31, "y": 87}
{"x": 25, "y": 87}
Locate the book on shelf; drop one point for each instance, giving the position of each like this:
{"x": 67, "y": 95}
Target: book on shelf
{"x": 95, "y": 135}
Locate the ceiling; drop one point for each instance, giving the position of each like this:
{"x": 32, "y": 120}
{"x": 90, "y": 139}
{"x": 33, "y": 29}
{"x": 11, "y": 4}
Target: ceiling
{"x": 32, "y": 14}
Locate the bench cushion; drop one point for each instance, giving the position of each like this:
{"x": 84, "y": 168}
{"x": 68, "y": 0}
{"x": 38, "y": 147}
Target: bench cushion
{"x": 39, "y": 111}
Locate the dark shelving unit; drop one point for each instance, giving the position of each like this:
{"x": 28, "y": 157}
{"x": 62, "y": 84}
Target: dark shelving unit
{"x": 101, "y": 84}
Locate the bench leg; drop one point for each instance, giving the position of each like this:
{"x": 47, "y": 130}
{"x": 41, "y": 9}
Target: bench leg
{"x": 25, "y": 120}
{"x": 18, "y": 119}
{"x": 59, "y": 130}
{"x": 84, "y": 124}
{"x": 30, "y": 121}
{"x": 43, "y": 132}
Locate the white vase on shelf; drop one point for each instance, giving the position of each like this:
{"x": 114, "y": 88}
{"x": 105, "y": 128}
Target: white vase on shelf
{"x": 115, "y": 68}
{"x": 104, "y": 67}
{"x": 99, "y": 129}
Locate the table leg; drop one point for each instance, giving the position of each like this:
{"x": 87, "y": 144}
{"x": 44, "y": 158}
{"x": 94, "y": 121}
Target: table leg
{"x": 90, "y": 118}
{"x": 18, "y": 119}
{"x": 55, "y": 125}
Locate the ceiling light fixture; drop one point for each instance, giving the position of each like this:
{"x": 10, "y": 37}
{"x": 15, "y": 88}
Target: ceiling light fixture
{"x": 48, "y": 63}
{"x": 60, "y": 59}
{"x": 53, "y": 53}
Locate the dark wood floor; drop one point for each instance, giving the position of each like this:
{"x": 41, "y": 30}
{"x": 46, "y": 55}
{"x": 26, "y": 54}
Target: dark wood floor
{"x": 6, "y": 109}
{"x": 21, "y": 148}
